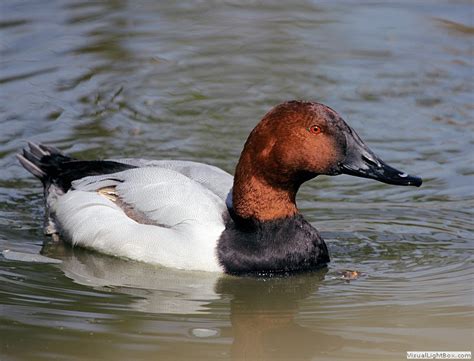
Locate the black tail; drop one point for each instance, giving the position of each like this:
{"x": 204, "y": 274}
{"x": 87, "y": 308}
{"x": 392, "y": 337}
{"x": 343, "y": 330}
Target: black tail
{"x": 31, "y": 159}
{"x": 53, "y": 167}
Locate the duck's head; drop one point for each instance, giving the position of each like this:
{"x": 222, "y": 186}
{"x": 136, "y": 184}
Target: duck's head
{"x": 296, "y": 141}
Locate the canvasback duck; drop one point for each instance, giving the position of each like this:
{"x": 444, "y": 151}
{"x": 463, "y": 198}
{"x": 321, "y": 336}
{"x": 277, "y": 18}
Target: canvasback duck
{"x": 195, "y": 216}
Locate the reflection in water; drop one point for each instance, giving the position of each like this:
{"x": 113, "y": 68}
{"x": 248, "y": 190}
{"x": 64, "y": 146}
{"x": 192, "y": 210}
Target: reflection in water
{"x": 262, "y": 311}
{"x": 159, "y": 290}
{"x": 263, "y": 316}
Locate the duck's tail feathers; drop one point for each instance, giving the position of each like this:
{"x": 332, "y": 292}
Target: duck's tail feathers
{"x": 53, "y": 167}
{"x": 42, "y": 161}
{"x": 30, "y": 159}
{"x": 39, "y": 159}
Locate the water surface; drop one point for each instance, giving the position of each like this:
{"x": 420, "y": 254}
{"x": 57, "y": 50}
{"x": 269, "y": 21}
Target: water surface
{"x": 189, "y": 81}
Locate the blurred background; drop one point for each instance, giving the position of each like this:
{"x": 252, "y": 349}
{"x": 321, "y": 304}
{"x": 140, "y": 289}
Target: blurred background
{"x": 189, "y": 80}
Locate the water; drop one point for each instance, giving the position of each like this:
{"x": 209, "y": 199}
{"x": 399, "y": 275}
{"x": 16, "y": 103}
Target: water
{"x": 189, "y": 81}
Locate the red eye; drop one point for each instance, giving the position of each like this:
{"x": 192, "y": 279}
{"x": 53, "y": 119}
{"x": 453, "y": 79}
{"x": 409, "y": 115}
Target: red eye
{"x": 314, "y": 129}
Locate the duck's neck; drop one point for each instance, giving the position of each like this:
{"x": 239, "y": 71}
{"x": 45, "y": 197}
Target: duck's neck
{"x": 255, "y": 198}
{"x": 261, "y": 194}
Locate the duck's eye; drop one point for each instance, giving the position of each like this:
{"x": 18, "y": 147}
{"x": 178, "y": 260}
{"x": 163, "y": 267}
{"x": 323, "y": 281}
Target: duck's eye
{"x": 314, "y": 129}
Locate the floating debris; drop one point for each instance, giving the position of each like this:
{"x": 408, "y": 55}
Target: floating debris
{"x": 349, "y": 275}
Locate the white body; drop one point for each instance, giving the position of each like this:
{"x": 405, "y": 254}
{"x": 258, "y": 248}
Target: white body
{"x": 184, "y": 201}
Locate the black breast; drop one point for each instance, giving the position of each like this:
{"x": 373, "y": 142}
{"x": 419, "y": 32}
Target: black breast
{"x": 287, "y": 245}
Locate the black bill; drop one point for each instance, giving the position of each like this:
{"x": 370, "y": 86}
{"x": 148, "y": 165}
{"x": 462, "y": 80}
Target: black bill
{"x": 360, "y": 161}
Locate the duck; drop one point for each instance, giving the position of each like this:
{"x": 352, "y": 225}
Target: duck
{"x": 194, "y": 216}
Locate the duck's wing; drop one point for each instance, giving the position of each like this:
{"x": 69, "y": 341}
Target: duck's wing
{"x": 211, "y": 177}
{"x": 152, "y": 214}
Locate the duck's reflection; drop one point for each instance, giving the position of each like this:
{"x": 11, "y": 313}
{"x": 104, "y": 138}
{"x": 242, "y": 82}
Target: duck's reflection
{"x": 263, "y": 312}
{"x": 157, "y": 290}
{"x": 264, "y": 315}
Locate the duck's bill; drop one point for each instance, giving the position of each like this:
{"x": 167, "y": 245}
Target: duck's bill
{"x": 383, "y": 173}
{"x": 360, "y": 161}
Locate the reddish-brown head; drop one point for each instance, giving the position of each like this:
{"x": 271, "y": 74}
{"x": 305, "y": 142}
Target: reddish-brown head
{"x": 294, "y": 142}
{"x": 297, "y": 139}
